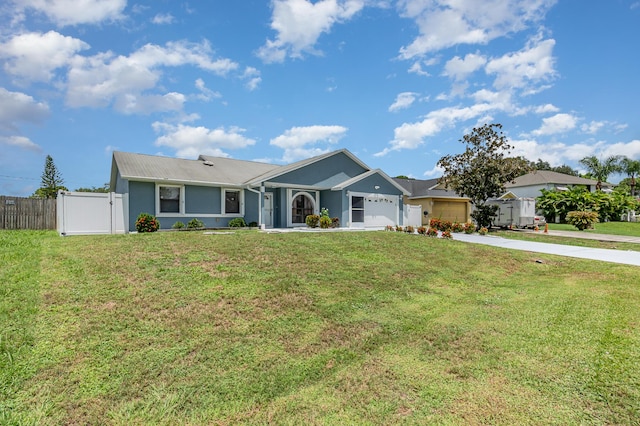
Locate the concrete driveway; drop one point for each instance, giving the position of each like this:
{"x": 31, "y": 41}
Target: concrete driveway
{"x": 626, "y": 257}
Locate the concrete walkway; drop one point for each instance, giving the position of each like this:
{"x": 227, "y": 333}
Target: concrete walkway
{"x": 626, "y": 257}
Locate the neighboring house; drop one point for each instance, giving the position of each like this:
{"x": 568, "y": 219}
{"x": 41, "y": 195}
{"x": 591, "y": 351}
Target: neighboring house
{"x": 436, "y": 202}
{"x": 216, "y": 190}
{"x": 529, "y": 185}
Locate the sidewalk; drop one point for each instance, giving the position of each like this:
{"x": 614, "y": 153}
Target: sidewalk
{"x": 626, "y": 257}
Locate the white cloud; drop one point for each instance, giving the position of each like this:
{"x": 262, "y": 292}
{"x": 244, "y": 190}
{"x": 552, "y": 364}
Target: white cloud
{"x": 533, "y": 64}
{"x": 16, "y": 107}
{"x": 296, "y": 141}
{"x": 412, "y": 135}
{"x": 458, "y": 68}
{"x": 146, "y": 104}
{"x": 299, "y": 24}
{"x": 206, "y": 94}
{"x": 593, "y": 127}
{"x": 403, "y": 100}
{"x": 435, "y": 172}
{"x": 163, "y": 19}
{"x": 557, "y": 153}
{"x": 559, "y": 123}
{"x": 20, "y": 142}
{"x": 191, "y": 141}
{"x": 416, "y": 68}
{"x": 35, "y": 56}
{"x": 73, "y": 12}
{"x": 103, "y": 79}
{"x": 252, "y": 75}
{"x": 545, "y": 109}
{"x": 446, "y": 23}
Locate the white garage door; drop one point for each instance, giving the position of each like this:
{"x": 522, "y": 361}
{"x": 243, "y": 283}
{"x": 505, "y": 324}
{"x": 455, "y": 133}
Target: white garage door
{"x": 380, "y": 210}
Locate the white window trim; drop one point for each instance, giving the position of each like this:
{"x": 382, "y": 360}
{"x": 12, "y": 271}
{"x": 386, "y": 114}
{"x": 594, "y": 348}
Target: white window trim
{"x": 182, "y": 192}
{"x": 314, "y": 196}
{"x": 223, "y": 202}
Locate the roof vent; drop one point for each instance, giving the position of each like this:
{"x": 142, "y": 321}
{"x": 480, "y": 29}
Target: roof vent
{"x": 208, "y": 163}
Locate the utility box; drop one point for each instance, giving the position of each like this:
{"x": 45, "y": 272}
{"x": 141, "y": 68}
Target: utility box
{"x": 516, "y": 213}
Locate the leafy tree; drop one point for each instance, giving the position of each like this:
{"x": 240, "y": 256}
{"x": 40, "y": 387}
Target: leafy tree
{"x": 51, "y": 181}
{"x": 103, "y": 189}
{"x": 544, "y": 165}
{"x": 483, "y": 169}
{"x": 632, "y": 169}
{"x": 601, "y": 170}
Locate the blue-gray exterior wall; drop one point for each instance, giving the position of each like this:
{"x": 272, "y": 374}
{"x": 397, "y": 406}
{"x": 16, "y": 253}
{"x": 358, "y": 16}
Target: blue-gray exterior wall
{"x": 199, "y": 200}
{"x": 333, "y": 201}
{"x": 328, "y": 172}
{"x": 142, "y": 199}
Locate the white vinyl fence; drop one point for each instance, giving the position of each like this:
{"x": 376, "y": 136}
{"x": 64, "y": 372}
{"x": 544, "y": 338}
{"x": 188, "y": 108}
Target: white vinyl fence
{"x": 82, "y": 213}
{"x": 412, "y": 215}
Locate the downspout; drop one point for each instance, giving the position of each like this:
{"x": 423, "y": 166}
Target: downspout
{"x": 259, "y": 192}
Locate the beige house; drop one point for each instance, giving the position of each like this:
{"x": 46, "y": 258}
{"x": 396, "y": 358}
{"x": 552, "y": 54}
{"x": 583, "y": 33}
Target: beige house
{"x": 435, "y": 201}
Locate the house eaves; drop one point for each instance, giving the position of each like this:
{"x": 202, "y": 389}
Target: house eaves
{"x": 365, "y": 175}
{"x": 281, "y": 170}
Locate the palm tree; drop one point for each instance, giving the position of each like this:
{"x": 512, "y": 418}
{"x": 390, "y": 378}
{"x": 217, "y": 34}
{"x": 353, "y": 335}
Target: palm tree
{"x": 631, "y": 168}
{"x": 601, "y": 170}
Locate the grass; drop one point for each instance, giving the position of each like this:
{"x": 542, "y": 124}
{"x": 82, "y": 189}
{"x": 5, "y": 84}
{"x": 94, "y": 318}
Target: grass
{"x": 315, "y": 328}
{"x": 631, "y": 229}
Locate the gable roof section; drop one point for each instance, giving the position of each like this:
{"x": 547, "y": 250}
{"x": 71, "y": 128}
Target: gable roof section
{"x": 548, "y": 177}
{"x": 223, "y": 171}
{"x": 257, "y": 180}
{"x": 365, "y": 175}
{"x": 425, "y": 188}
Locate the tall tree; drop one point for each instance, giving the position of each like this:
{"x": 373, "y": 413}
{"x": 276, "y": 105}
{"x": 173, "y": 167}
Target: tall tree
{"x": 600, "y": 170}
{"x": 483, "y": 169}
{"x": 631, "y": 168}
{"x": 51, "y": 181}
{"x": 544, "y": 165}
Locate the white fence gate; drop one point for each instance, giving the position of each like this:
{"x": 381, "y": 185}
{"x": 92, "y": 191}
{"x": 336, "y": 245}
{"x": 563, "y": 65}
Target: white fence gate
{"x": 412, "y": 215}
{"x": 82, "y": 213}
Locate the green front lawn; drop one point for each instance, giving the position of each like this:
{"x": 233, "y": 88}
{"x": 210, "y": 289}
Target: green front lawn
{"x": 311, "y": 328}
{"x": 631, "y": 229}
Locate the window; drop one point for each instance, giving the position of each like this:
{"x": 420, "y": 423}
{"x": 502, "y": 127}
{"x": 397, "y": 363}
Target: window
{"x": 301, "y": 207}
{"x": 231, "y": 202}
{"x": 169, "y": 199}
{"x": 357, "y": 209}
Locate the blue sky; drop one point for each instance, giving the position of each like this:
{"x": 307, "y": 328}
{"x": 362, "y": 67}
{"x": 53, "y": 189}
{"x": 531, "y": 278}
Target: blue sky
{"x": 398, "y": 83}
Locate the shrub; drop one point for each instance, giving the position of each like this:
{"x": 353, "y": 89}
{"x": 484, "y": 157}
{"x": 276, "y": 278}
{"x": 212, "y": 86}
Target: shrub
{"x": 457, "y": 227}
{"x": 147, "y": 223}
{"x": 469, "y": 228}
{"x": 483, "y": 231}
{"x": 399, "y": 228}
{"x": 432, "y": 232}
{"x": 388, "y": 228}
{"x": 582, "y": 220}
{"x": 409, "y": 229}
{"x": 325, "y": 222}
{"x": 335, "y": 222}
{"x": 312, "y": 220}
{"x": 422, "y": 230}
{"x": 195, "y": 223}
{"x": 446, "y": 235}
{"x": 253, "y": 224}
{"x": 435, "y": 223}
{"x": 178, "y": 225}
{"x": 237, "y": 222}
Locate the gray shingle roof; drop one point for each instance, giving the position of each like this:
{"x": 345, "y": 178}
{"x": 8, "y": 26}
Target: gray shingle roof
{"x": 424, "y": 188}
{"x": 547, "y": 177}
{"x": 224, "y": 171}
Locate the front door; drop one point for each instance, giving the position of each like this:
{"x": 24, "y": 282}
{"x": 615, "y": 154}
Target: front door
{"x": 268, "y": 210}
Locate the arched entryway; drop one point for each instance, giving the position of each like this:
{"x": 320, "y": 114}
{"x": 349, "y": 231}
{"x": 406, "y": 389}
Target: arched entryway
{"x": 302, "y": 205}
